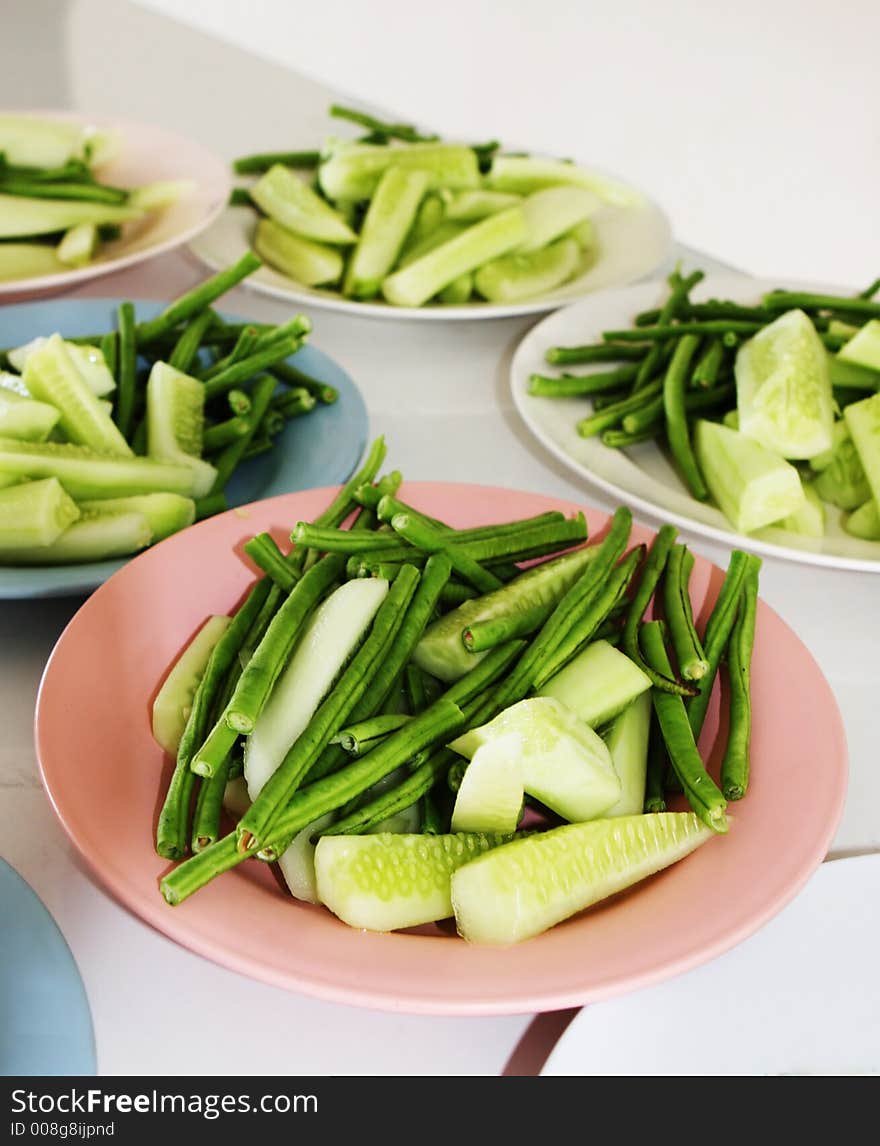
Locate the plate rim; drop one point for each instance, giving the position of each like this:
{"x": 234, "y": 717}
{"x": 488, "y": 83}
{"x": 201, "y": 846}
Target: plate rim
{"x": 654, "y": 511}
{"x": 156, "y": 913}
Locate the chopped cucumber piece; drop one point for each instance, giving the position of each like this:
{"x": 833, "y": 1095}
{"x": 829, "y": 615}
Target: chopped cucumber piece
{"x": 458, "y": 291}
{"x": 89, "y": 361}
{"x": 437, "y": 237}
{"x": 87, "y": 474}
{"x": 34, "y": 514}
{"x": 287, "y": 199}
{"x": 864, "y": 522}
{"x": 731, "y": 420}
{"x": 836, "y": 326}
{"x": 79, "y": 245}
{"x": 385, "y": 882}
{"x": 563, "y": 762}
{"x": 52, "y": 375}
{"x": 441, "y": 652}
{"x": 552, "y": 212}
{"x": 809, "y": 520}
{"x": 13, "y": 384}
{"x": 520, "y": 276}
{"x": 783, "y": 388}
{"x": 26, "y": 418}
{"x": 308, "y": 263}
{"x": 627, "y": 741}
{"x": 332, "y": 635}
{"x": 850, "y": 375}
{"x": 524, "y": 174}
{"x": 752, "y": 486}
{"x": 490, "y": 796}
{"x": 471, "y": 206}
{"x": 175, "y": 419}
{"x": 99, "y": 147}
{"x": 863, "y": 349}
{"x": 97, "y": 538}
{"x": 863, "y": 420}
{"x": 161, "y": 194}
{"x": 584, "y": 234}
{"x": 28, "y": 261}
{"x": 839, "y": 435}
{"x": 352, "y": 170}
{"x": 529, "y": 885}
{"x": 482, "y": 241}
{"x": 20, "y": 216}
{"x": 297, "y": 862}
{"x": 29, "y": 142}
{"x": 387, "y": 222}
{"x": 597, "y": 684}
{"x": 430, "y": 215}
{"x": 167, "y": 513}
{"x": 173, "y": 702}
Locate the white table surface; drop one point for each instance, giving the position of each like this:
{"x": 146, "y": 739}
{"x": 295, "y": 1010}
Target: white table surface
{"x": 440, "y": 395}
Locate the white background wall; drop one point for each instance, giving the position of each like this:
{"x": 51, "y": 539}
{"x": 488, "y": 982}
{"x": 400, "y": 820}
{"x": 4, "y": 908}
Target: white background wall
{"x": 755, "y": 123}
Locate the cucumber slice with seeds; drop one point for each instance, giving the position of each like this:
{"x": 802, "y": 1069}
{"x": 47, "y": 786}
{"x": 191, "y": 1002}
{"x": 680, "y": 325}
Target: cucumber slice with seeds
{"x": 175, "y": 420}
{"x": 25, "y": 417}
{"x": 388, "y": 220}
{"x": 84, "y": 473}
{"x": 284, "y": 197}
{"x": 89, "y": 360}
{"x": 34, "y": 514}
{"x": 555, "y": 210}
{"x": 523, "y": 275}
{"x": 173, "y": 702}
{"x": 490, "y": 796}
{"x": 308, "y": 263}
{"x": 351, "y": 171}
{"x": 91, "y": 538}
{"x": 167, "y": 513}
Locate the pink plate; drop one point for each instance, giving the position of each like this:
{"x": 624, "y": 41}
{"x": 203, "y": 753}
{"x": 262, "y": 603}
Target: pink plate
{"x": 104, "y": 775}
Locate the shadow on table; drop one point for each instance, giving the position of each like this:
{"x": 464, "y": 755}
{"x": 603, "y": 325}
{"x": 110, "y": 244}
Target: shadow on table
{"x": 537, "y": 1043}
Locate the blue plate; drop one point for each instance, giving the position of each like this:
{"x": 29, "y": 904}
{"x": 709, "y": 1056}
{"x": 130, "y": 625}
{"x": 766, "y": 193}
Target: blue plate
{"x": 320, "y": 449}
{"x": 45, "y": 1023}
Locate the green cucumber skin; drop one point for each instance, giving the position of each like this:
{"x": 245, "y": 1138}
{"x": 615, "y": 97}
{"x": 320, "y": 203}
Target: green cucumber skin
{"x": 352, "y": 172}
{"x": 523, "y": 275}
{"x": 598, "y": 684}
{"x": 389, "y": 218}
{"x": 86, "y": 474}
{"x": 864, "y": 522}
{"x": 863, "y": 420}
{"x": 174, "y": 699}
{"x": 34, "y": 514}
{"x": 166, "y": 513}
{"x": 292, "y": 204}
{"x": 98, "y": 538}
{"x": 627, "y": 741}
{"x": 20, "y": 217}
{"x": 300, "y": 259}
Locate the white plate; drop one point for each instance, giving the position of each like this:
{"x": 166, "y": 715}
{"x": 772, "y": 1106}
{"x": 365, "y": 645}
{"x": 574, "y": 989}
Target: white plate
{"x": 643, "y": 476}
{"x": 800, "y": 997}
{"x": 148, "y": 154}
{"x": 632, "y": 242}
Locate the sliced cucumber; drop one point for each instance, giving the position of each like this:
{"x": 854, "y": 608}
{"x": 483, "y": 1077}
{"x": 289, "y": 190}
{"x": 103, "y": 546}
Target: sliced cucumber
{"x": 385, "y": 882}
{"x": 334, "y": 632}
{"x": 12, "y": 384}
{"x": 78, "y": 246}
{"x": 97, "y": 538}
{"x": 864, "y": 522}
{"x": 555, "y": 210}
{"x": 87, "y": 474}
{"x": 783, "y": 388}
{"x": 52, "y": 375}
{"x": 26, "y": 141}
{"x": 863, "y": 349}
{"x": 471, "y": 206}
{"x": 352, "y": 170}
{"x": 161, "y": 194}
{"x": 839, "y": 435}
{"x": 89, "y": 361}
{"x": 28, "y": 261}
{"x": 584, "y": 234}
{"x": 297, "y": 862}
{"x": 809, "y": 520}
{"x": 597, "y": 684}
{"x": 173, "y": 702}
{"x": 563, "y": 762}
{"x": 442, "y": 233}
{"x": 167, "y": 513}
{"x": 300, "y": 259}
{"x": 26, "y": 418}
{"x": 529, "y": 885}
{"x": 175, "y": 420}
{"x": 852, "y": 376}
{"x": 441, "y": 652}
{"x": 287, "y": 199}
{"x": 842, "y": 481}
{"x": 482, "y": 241}
{"x": 459, "y": 291}
{"x": 525, "y": 174}
{"x": 34, "y": 514}
{"x": 753, "y": 486}
{"x": 387, "y": 222}
{"x": 429, "y": 216}
{"x": 21, "y": 217}
{"x": 627, "y": 741}
{"x": 863, "y": 420}
{"x": 490, "y": 796}
{"x": 519, "y": 276}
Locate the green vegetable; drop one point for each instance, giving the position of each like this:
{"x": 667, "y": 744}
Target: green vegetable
{"x": 25, "y": 418}
{"x": 291, "y": 203}
{"x": 490, "y": 796}
{"x": 257, "y": 164}
{"x": 160, "y": 194}
{"x": 34, "y": 514}
{"x": 735, "y": 765}
{"x": 97, "y": 537}
{"x": 28, "y": 261}
{"x": 809, "y": 520}
{"x": 194, "y": 301}
{"x": 352, "y": 170}
{"x": 677, "y": 432}
{"x": 553, "y": 212}
{"x": 79, "y": 245}
{"x": 471, "y": 206}
{"x": 863, "y": 420}
{"x": 301, "y": 259}
{"x": 627, "y": 741}
{"x": 126, "y": 366}
{"x": 864, "y": 522}
{"x": 27, "y": 141}
{"x": 21, "y": 217}
{"x": 386, "y": 224}
{"x": 863, "y": 349}
{"x": 458, "y": 291}
{"x": 691, "y": 659}
{"x": 598, "y": 684}
{"x": 841, "y": 480}
{"x": 521, "y": 275}
{"x": 87, "y": 474}
{"x": 525, "y": 174}
{"x": 603, "y": 352}
{"x": 166, "y": 513}
{"x": 174, "y": 700}
{"x": 175, "y": 417}
{"x": 578, "y": 385}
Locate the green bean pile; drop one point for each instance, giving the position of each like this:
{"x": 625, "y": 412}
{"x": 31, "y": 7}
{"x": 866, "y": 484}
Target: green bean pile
{"x": 385, "y": 712}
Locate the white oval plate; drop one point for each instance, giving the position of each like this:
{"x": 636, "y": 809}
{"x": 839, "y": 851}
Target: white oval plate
{"x": 148, "y": 154}
{"x": 800, "y": 997}
{"x": 643, "y": 476}
{"x": 633, "y": 242}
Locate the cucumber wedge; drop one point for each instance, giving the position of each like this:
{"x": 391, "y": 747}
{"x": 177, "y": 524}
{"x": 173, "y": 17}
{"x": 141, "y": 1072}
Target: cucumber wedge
{"x": 529, "y": 885}
{"x": 598, "y": 684}
{"x": 482, "y": 241}
{"x": 161, "y": 194}
{"x": 173, "y": 702}
{"x": 413, "y": 250}
{"x": 387, "y": 222}
{"x": 175, "y": 420}
{"x": 28, "y": 261}
{"x": 752, "y": 486}
{"x": 86, "y": 474}
{"x": 864, "y": 522}
{"x": 26, "y": 141}
{"x": 352, "y": 170}
{"x": 89, "y": 360}
{"x": 21, "y": 217}
{"x": 51, "y": 375}
{"x": 863, "y": 349}
{"x": 284, "y": 197}
{"x": 297, "y": 862}
{"x": 26, "y": 418}
{"x": 12, "y": 384}
{"x": 167, "y": 513}
{"x": 459, "y": 291}
{"x": 627, "y": 741}
{"x": 79, "y": 245}
{"x": 863, "y": 420}
{"x": 555, "y": 210}
{"x": 809, "y": 520}
{"x": 490, "y": 796}
{"x": 441, "y": 652}
{"x": 34, "y": 514}
{"x": 525, "y": 174}
{"x": 385, "y": 882}
{"x": 520, "y": 275}
{"x": 471, "y": 206}
{"x": 783, "y": 388}
{"x": 97, "y": 538}
{"x": 563, "y": 763}
{"x": 308, "y": 263}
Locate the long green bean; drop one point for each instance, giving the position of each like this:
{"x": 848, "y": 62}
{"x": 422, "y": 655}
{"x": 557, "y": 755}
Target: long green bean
{"x": 358, "y": 739}
{"x": 695, "y": 401}
{"x": 243, "y": 347}
{"x": 246, "y": 368}
{"x": 263, "y": 551}
{"x": 187, "y": 347}
{"x": 197, "y": 299}
{"x": 578, "y": 385}
{"x": 228, "y": 459}
{"x": 603, "y": 419}
{"x": 691, "y": 659}
{"x": 655, "y": 796}
{"x": 482, "y": 635}
{"x": 259, "y": 163}
{"x": 778, "y": 300}
{"x": 680, "y": 289}
{"x": 126, "y": 368}
{"x": 209, "y": 805}
{"x": 602, "y": 352}
{"x": 621, "y": 439}
{"x": 708, "y": 366}
{"x": 294, "y": 377}
{"x": 735, "y": 765}
{"x": 677, "y": 433}
{"x": 217, "y": 436}
{"x": 665, "y": 331}
{"x": 430, "y": 540}
{"x": 110, "y": 350}
{"x": 403, "y": 131}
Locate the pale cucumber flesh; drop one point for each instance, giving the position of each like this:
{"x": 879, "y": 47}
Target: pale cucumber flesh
{"x": 28, "y": 261}
{"x": 167, "y": 513}
{"x": 597, "y": 684}
{"x": 526, "y": 174}
{"x": 175, "y": 420}
{"x": 297, "y": 862}
{"x": 386, "y": 882}
{"x": 96, "y": 538}
{"x": 490, "y": 796}
{"x": 26, "y": 141}
{"x": 386, "y": 224}
{"x": 471, "y": 206}
{"x": 523, "y": 275}
{"x": 352, "y": 171}
{"x": 78, "y": 246}
{"x": 863, "y": 420}
{"x": 555, "y": 210}
{"x": 301, "y": 259}
{"x": 26, "y": 418}
{"x": 284, "y": 197}
{"x": 86, "y": 474}
{"x": 809, "y": 520}
{"x": 864, "y": 522}
{"x": 627, "y": 741}
{"x": 863, "y": 349}
{"x": 533, "y": 883}
{"x": 21, "y": 217}
{"x": 34, "y": 514}
{"x": 173, "y": 702}
{"x": 88, "y": 360}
